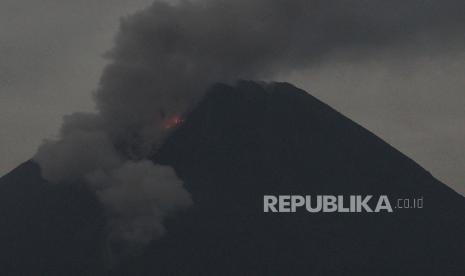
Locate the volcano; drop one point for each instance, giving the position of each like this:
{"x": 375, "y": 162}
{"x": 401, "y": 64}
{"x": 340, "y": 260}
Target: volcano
{"x": 239, "y": 143}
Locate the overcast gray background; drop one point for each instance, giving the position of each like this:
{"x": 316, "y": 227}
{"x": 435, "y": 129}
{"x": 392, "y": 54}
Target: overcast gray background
{"x": 50, "y": 62}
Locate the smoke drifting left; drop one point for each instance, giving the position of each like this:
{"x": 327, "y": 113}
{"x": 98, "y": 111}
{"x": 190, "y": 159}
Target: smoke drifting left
{"x": 163, "y": 59}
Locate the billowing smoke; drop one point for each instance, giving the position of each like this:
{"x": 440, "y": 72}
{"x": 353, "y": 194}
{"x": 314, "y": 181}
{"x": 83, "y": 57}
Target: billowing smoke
{"x": 138, "y": 195}
{"x": 166, "y": 55}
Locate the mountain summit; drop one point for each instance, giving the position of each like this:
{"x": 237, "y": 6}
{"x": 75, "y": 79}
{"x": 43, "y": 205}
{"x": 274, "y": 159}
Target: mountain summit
{"x": 238, "y": 144}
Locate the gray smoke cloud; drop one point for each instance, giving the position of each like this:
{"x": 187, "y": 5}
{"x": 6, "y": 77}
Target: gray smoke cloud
{"x": 137, "y": 196}
{"x": 166, "y": 55}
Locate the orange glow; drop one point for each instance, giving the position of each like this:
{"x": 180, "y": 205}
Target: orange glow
{"x": 172, "y": 122}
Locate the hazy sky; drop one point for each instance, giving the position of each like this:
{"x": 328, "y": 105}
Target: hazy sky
{"x": 50, "y": 62}
{"x": 412, "y": 95}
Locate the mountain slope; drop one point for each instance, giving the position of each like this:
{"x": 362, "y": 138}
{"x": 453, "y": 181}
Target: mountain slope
{"x": 240, "y": 143}
{"x": 48, "y": 229}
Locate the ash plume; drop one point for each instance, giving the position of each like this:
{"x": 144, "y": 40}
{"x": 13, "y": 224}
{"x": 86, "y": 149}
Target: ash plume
{"x": 166, "y": 55}
{"x": 137, "y": 196}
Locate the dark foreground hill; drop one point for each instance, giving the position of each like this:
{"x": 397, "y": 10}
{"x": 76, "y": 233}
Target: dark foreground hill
{"x": 240, "y": 143}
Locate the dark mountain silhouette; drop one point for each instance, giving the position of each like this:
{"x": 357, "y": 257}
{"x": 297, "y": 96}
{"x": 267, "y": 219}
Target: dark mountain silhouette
{"x": 240, "y": 143}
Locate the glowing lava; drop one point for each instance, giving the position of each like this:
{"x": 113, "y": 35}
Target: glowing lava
{"x": 172, "y": 122}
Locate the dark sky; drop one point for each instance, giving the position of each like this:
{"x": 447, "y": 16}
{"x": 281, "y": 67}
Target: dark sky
{"x": 410, "y": 93}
